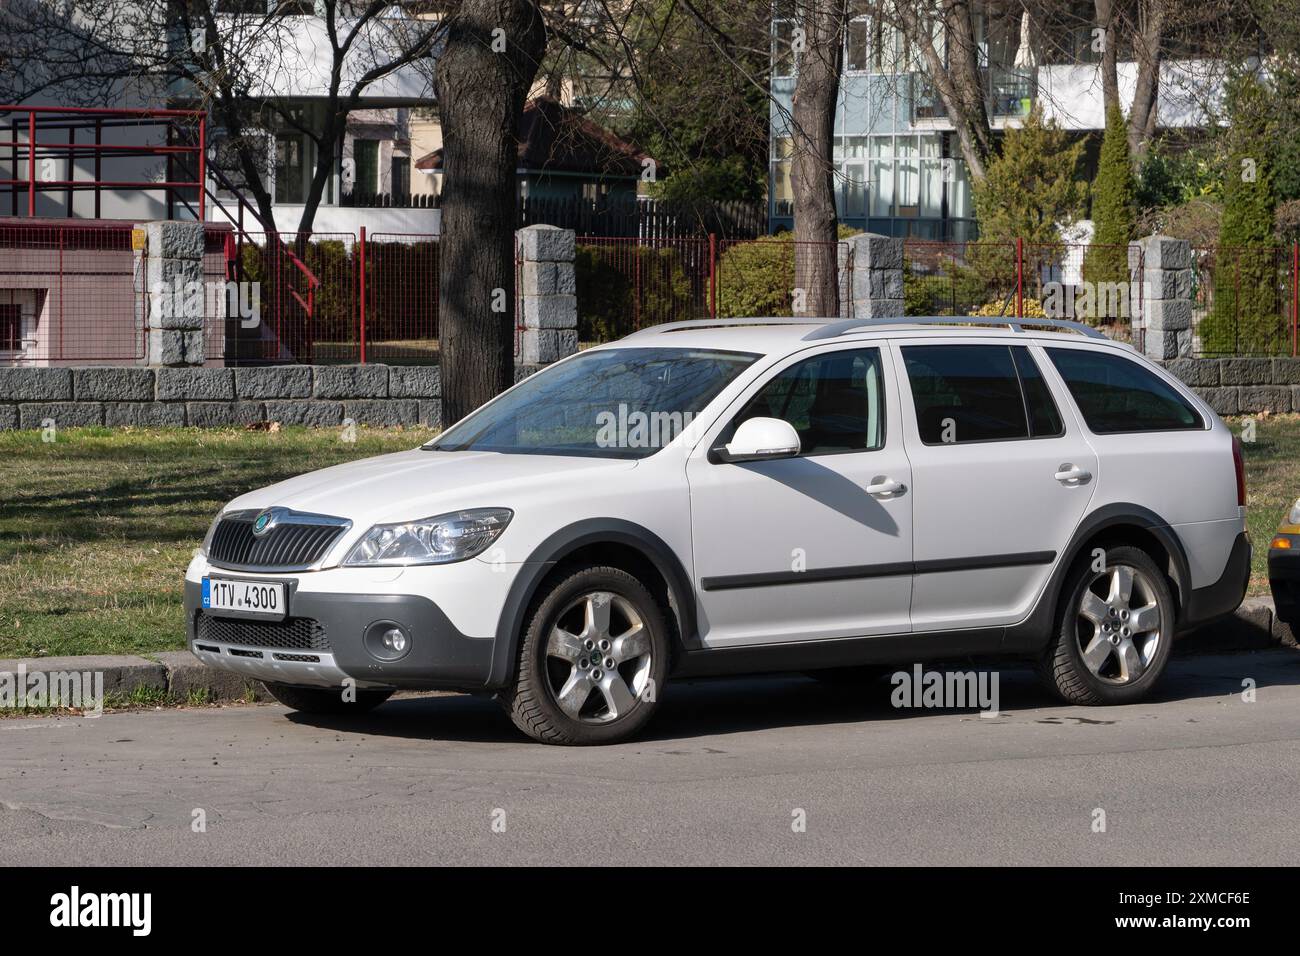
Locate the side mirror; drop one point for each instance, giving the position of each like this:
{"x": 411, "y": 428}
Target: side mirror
{"x": 762, "y": 439}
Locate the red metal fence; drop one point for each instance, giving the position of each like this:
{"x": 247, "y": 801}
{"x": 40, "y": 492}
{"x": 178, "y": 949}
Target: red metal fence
{"x": 69, "y": 291}
{"x": 1246, "y": 300}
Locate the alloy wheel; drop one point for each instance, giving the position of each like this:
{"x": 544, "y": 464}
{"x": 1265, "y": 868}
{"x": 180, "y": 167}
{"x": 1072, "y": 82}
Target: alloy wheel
{"x": 598, "y": 657}
{"x": 1120, "y": 624}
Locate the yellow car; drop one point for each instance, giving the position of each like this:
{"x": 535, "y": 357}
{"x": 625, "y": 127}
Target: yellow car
{"x": 1284, "y": 567}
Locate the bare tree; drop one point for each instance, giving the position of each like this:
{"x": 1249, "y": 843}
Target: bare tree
{"x": 244, "y": 68}
{"x": 956, "y": 76}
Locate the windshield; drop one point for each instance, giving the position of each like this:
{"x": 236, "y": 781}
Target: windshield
{"x": 608, "y": 403}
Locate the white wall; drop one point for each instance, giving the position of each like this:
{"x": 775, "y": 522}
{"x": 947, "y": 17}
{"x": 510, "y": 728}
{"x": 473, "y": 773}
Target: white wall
{"x": 349, "y": 219}
{"x": 1072, "y": 95}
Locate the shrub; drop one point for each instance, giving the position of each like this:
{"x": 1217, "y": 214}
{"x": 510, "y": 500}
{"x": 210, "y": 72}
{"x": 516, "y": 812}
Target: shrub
{"x": 1113, "y": 207}
{"x": 755, "y": 278}
{"x": 1033, "y": 309}
{"x": 612, "y": 303}
{"x": 1245, "y": 316}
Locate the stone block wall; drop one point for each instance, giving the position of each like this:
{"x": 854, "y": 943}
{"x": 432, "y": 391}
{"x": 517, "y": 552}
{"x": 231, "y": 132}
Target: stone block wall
{"x": 1242, "y": 386}
{"x": 328, "y": 395}
{"x": 320, "y": 395}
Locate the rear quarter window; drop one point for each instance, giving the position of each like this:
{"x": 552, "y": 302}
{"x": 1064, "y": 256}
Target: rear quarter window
{"x": 1116, "y": 394}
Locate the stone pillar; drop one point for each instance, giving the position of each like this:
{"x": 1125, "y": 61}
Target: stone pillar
{"x": 877, "y": 277}
{"x": 547, "y": 295}
{"x": 176, "y": 300}
{"x": 1166, "y": 297}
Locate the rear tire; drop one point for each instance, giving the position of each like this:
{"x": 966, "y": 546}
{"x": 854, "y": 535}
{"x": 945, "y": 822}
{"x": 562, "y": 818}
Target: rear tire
{"x": 326, "y": 700}
{"x": 592, "y": 662}
{"x": 1114, "y": 630}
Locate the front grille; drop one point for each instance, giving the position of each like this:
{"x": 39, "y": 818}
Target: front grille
{"x": 291, "y": 634}
{"x": 295, "y": 543}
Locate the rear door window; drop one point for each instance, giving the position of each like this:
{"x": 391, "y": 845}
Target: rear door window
{"x": 1116, "y": 394}
{"x": 976, "y": 393}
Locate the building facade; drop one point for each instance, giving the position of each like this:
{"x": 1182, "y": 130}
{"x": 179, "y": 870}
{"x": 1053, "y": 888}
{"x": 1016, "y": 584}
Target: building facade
{"x": 897, "y": 166}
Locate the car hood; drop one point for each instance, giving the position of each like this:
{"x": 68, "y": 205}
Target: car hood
{"x": 418, "y": 484}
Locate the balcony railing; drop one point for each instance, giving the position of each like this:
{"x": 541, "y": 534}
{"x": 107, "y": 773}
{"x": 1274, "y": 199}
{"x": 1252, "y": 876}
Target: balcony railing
{"x": 1006, "y": 93}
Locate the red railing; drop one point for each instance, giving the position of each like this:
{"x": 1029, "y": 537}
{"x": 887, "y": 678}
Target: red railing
{"x": 67, "y": 291}
{"x": 30, "y": 145}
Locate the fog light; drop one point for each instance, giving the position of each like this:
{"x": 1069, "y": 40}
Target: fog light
{"x": 387, "y": 641}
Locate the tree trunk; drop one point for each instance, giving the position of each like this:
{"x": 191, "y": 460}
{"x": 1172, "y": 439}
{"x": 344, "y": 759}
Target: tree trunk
{"x": 1147, "y": 41}
{"x": 816, "y": 92}
{"x": 957, "y": 81}
{"x": 1105, "y": 10}
{"x": 481, "y": 93}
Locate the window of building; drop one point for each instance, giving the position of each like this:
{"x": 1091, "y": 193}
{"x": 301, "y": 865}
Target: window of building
{"x": 365, "y": 152}
{"x": 782, "y": 191}
{"x": 783, "y": 59}
{"x": 11, "y": 327}
{"x": 290, "y": 168}
{"x": 857, "y": 46}
{"x": 401, "y": 176}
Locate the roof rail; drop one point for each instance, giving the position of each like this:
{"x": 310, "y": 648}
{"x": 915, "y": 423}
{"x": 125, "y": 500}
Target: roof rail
{"x": 722, "y": 323}
{"x": 842, "y": 327}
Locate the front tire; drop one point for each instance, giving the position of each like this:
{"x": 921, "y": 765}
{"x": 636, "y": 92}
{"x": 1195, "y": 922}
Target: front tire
{"x": 593, "y": 660}
{"x": 1115, "y": 628}
{"x": 326, "y": 700}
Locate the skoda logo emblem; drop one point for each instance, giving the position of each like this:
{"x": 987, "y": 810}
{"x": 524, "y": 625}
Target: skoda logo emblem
{"x": 263, "y": 524}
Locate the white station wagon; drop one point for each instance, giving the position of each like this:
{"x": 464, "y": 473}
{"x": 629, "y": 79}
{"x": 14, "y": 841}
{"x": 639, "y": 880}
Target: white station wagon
{"x": 746, "y": 496}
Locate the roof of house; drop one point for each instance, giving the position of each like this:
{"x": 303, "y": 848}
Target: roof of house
{"x": 555, "y": 138}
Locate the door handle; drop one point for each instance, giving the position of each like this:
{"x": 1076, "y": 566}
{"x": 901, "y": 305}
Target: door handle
{"x": 882, "y": 487}
{"x": 1069, "y": 474}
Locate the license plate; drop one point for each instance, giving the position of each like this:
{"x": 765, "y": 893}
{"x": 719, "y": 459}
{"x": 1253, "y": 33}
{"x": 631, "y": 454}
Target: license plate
{"x": 254, "y": 598}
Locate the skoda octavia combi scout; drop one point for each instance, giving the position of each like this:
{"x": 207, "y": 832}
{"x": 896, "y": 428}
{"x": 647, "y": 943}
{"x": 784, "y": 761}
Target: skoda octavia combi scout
{"x": 742, "y": 496}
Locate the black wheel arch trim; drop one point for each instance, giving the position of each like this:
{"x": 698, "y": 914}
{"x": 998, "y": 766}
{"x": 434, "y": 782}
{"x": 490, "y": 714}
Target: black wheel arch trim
{"x": 558, "y": 546}
{"x": 1034, "y": 632}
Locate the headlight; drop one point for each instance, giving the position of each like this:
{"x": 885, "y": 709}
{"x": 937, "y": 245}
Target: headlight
{"x": 1293, "y": 516}
{"x": 437, "y": 540}
{"x": 207, "y": 538}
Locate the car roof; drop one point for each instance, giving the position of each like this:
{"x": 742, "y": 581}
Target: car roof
{"x": 782, "y": 335}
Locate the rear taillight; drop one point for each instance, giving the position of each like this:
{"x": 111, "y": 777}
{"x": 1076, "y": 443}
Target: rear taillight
{"x": 1239, "y": 463}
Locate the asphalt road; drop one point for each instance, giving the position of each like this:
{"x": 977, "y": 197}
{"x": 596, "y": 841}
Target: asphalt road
{"x": 1197, "y": 776}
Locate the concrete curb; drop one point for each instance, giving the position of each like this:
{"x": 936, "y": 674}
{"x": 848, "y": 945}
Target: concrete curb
{"x": 176, "y": 676}
{"x": 181, "y": 678}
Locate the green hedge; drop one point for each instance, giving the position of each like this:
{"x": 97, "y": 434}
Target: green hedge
{"x": 401, "y": 288}
{"x": 620, "y": 288}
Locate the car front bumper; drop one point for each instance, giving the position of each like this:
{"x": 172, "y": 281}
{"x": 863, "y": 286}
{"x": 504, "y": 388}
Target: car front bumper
{"x": 439, "y": 657}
